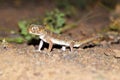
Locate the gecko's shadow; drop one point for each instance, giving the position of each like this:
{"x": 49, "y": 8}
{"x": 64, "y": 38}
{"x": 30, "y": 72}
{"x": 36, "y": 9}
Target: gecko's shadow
{"x": 33, "y": 42}
{"x": 36, "y": 42}
{"x": 89, "y": 46}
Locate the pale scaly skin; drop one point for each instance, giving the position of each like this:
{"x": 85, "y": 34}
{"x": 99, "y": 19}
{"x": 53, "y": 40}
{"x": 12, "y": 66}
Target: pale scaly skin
{"x": 52, "y": 38}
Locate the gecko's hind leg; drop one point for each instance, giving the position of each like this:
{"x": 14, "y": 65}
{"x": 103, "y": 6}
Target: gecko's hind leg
{"x": 63, "y": 48}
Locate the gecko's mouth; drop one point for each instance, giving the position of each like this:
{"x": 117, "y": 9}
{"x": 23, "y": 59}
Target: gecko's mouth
{"x": 30, "y": 32}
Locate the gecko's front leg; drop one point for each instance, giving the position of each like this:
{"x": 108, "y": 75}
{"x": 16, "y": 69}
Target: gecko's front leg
{"x": 40, "y": 45}
{"x": 71, "y": 46}
{"x": 50, "y": 45}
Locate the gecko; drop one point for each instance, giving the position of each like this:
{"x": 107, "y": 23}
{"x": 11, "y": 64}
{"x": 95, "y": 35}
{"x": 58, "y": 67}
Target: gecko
{"x": 53, "y": 38}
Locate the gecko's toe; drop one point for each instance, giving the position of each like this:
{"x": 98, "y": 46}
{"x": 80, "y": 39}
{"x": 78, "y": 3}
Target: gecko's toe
{"x": 37, "y": 51}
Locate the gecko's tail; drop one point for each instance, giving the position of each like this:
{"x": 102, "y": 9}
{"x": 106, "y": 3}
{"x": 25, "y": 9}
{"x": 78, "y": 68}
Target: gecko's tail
{"x": 80, "y": 43}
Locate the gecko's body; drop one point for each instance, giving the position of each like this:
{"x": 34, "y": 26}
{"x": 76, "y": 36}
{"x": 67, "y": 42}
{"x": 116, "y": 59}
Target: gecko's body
{"x": 52, "y": 38}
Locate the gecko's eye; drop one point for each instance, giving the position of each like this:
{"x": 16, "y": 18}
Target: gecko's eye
{"x": 34, "y": 29}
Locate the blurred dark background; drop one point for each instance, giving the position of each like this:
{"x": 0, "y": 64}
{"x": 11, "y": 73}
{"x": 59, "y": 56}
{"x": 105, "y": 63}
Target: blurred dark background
{"x": 15, "y": 15}
{"x": 59, "y": 3}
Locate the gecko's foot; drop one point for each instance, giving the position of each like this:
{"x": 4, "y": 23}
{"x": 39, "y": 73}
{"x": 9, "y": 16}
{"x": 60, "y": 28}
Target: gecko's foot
{"x": 43, "y": 52}
{"x": 37, "y": 51}
{"x": 46, "y": 52}
{"x": 49, "y": 53}
{"x": 71, "y": 51}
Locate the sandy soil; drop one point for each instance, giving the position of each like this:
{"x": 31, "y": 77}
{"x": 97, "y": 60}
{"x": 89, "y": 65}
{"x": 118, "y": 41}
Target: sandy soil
{"x": 22, "y": 62}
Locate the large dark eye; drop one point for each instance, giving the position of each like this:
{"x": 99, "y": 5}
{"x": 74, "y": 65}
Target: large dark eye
{"x": 35, "y": 29}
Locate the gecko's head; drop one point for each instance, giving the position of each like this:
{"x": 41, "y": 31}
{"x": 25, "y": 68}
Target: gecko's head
{"x": 36, "y": 29}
